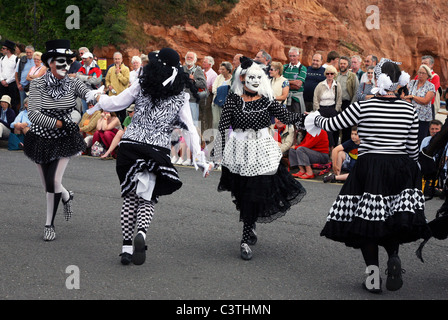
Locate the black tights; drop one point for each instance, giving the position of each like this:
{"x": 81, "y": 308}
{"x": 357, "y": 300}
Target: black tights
{"x": 370, "y": 251}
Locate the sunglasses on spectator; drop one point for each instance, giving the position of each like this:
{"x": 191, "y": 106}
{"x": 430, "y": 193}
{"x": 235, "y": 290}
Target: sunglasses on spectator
{"x": 330, "y": 74}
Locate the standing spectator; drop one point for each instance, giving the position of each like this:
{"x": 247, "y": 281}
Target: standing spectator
{"x": 145, "y": 60}
{"x": 89, "y": 73}
{"x": 117, "y": 80}
{"x": 7, "y": 116}
{"x": 332, "y": 59}
{"x": 205, "y": 105}
{"x": 435, "y": 80}
{"x": 197, "y": 76}
{"x": 421, "y": 93}
{"x": 23, "y": 67}
{"x": 349, "y": 84}
{"x": 8, "y": 64}
{"x": 236, "y": 63}
{"x": 370, "y": 60}
{"x": 137, "y": 69}
{"x": 356, "y": 66}
{"x": 75, "y": 66}
{"x": 224, "y": 79}
{"x": 328, "y": 100}
{"x": 365, "y": 88}
{"x": 314, "y": 75}
{"x": 295, "y": 72}
{"x": 265, "y": 60}
{"x": 280, "y": 85}
{"x": 38, "y": 70}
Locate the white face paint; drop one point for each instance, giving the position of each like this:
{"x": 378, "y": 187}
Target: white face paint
{"x": 62, "y": 65}
{"x": 253, "y": 79}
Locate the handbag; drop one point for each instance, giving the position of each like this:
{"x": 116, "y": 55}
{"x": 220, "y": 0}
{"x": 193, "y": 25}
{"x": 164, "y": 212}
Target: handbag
{"x": 221, "y": 95}
{"x": 97, "y": 149}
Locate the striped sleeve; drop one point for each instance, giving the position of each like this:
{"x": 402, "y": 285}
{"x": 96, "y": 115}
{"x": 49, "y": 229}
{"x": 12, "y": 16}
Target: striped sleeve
{"x": 384, "y": 126}
{"x": 36, "y": 101}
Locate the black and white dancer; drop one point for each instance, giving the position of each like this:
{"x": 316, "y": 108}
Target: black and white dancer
{"x": 381, "y": 203}
{"x": 144, "y": 165}
{"x": 432, "y": 159}
{"x": 53, "y": 137}
{"x": 262, "y": 188}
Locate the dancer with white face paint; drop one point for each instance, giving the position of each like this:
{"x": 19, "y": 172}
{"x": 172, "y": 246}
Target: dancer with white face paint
{"x": 53, "y": 137}
{"x": 262, "y": 188}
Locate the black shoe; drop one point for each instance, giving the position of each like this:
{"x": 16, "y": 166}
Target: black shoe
{"x": 330, "y": 178}
{"x": 394, "y": 280}
{"x": 126, "y": 258}
{"x": 373, "y": 290}
{"x": 246, "y": 252}
{"x": 68, "y": 212}
{"x": 139, "y": 255}
{"x": 252, "y": 237}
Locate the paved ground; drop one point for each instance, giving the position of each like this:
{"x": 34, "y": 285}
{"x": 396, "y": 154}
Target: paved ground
{"x": 193, "y": 245}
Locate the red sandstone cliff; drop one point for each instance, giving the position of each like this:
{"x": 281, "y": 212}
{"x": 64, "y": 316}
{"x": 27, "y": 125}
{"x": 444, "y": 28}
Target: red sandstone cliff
{"x": 407, "y": 30}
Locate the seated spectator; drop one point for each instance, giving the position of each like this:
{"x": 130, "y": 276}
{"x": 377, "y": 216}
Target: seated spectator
{"x": 311, "y": 150}
{"x": 87, "y": 126}
{"x": 430, "y": 182}
{"x": 222, "y": 82}
{"x": 343, "y": 158}
{"x": 20, "y": 127}
{"x": 21, "y": 123}
{"x": 365, "y": 88}
{"x": 119, "y": 134}
{"x": 137, "y": 69}
{"x": 7, "y": 116}
{"x": 106, "y": 129}
{"x": 284, "y": 135}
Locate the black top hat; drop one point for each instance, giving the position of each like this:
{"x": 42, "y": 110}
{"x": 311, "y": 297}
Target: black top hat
{"x": 9, "y": 44}
{"x": 57, "y": 48}
{"x": 166, "y": 56}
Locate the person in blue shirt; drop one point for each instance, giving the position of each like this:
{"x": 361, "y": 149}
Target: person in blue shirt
{"x": 314, "y": 75}
{"x": 23, "y": 67}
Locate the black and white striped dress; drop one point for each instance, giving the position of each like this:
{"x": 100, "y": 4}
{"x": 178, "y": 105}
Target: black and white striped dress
{"x": 52, "y": 99}
{"x": 146, "y": 143}
{"x": 382, "y": 198}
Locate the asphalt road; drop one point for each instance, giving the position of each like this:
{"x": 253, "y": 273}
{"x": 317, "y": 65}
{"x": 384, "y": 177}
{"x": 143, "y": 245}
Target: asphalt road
{"x": 193, "y": 246}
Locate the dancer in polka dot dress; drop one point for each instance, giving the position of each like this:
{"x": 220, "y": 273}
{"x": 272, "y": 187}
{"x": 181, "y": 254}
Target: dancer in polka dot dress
{"x": 53, "y": 137}
{"x": 262, "y": 188}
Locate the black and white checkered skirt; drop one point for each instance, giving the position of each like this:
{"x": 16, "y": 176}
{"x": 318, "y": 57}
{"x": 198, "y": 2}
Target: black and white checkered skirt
{"x": 380, "y": 201}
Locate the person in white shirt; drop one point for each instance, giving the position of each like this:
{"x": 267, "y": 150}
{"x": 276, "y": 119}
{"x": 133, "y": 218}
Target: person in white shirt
{"x": 8, "y": 65}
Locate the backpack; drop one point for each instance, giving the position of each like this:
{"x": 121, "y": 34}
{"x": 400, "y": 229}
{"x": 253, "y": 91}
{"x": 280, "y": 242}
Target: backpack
{"x": 221, "y": 95}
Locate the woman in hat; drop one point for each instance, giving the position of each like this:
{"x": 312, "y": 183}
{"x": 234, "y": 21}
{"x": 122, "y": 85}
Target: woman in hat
{"x": 262, "y": 188}
{"x": 53, "y": 137}
{"x": 381, "y": 202}
{"x": 143, "y": 162}
{"x": 7, "y": 116}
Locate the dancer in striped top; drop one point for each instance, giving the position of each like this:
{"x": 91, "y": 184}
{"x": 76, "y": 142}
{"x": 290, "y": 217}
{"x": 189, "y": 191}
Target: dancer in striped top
{"x": 53, "y": 137}
{"x": 381, "y": 203}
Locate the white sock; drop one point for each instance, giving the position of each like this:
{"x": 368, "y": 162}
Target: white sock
{"x": 127, "y": 249}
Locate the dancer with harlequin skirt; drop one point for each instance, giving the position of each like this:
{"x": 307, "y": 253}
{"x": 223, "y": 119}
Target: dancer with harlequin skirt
{"x": 53, "y": 137}
{"x": 144, "y": 165}
{"x": 262, "y": 188}
{"x": 381, "y": 202}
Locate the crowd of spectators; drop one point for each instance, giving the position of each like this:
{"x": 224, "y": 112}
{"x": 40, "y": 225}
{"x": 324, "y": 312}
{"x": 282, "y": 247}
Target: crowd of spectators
{"x": 328, "y": 85}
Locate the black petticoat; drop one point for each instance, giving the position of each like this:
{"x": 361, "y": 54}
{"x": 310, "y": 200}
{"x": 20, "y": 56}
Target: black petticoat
{"x": 262, "y": 198}
{"x": 380, "y": 202}
{"x": 45, "y": 150}
{"x": 134, "y": 158}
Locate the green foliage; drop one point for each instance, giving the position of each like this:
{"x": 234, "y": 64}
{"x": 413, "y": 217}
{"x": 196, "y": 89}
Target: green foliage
{"x": 102, "y": 22}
